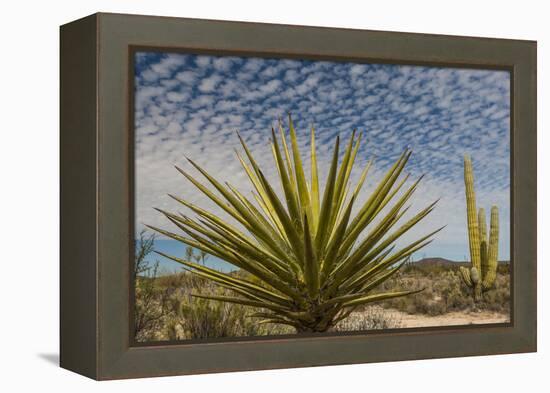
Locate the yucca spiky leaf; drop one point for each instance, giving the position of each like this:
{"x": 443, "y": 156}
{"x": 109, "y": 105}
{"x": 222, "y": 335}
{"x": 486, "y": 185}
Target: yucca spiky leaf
{"x": 310, "y": 260}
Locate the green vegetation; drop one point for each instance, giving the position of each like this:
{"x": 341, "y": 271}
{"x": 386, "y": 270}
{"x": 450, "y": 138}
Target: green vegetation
{"x": 310, "y": 262}
{"x": 445, "y": 291}
{"x": 151, "y": 303}
{"x": 483, "y": 247}
{"x": 166, "y": 310}
{"x": 199, "y": 318}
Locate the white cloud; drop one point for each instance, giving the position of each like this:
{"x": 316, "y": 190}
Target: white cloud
{"x": 440, "y": 113}
{"x": 209, "y": 84}
{"x": 166, "y": 66}
{"x": 309, "y": 83}
{"x": 187, "y": 77}
{"x": 271, "y": 86}
{"x": 222, "y": 63}
{"x": 358, "y": 70}
{"x": 176, "y": 97}
{"x": 203, "y": 61}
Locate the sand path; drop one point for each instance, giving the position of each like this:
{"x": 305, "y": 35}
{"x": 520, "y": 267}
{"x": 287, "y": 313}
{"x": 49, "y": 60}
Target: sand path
{"x": 449, "y": 319}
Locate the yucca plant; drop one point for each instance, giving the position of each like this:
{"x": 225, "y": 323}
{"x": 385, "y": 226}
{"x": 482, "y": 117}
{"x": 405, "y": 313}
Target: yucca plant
{"x": 312, "y": 260}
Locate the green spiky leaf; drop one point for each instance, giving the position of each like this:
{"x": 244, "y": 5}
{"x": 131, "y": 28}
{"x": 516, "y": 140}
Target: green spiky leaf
{"x": 310, "y": 258}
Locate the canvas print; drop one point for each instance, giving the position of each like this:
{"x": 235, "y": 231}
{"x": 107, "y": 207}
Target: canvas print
{"x": 279, "y": 196}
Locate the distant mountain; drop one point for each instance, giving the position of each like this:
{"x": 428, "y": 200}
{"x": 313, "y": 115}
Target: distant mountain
{"x": 431, "y": 262}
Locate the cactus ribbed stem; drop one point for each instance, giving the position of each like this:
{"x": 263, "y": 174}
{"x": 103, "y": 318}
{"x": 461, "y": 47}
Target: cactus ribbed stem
{"x": 492, "y": 253}
{"x": 482, "y": 224}
{"x": 473, "y": 230}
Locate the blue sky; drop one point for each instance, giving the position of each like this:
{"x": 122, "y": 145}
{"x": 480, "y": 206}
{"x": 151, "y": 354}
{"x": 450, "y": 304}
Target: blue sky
{"x": 189, "y": 105}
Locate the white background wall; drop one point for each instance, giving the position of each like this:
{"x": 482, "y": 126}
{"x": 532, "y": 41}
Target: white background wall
{"x": 29, "y": 196}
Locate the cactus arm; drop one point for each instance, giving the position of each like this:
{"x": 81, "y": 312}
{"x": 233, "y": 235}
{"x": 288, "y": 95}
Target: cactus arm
{"x": 482, "y": 225}
{"x": 492, "y": 253}
{"x": 476, "y": 282}
{"x": 465, "y": 274}
{"x": 473, "y": 230}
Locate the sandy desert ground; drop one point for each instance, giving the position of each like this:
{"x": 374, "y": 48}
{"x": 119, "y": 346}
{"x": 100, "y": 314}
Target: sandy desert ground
{"x": 452, "y": 318}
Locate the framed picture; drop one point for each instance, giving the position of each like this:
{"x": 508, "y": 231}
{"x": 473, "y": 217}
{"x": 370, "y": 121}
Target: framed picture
{"x": 241, "y": 196}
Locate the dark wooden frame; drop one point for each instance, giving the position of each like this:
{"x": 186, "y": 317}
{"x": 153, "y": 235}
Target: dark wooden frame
{"x": 97, "y": 195}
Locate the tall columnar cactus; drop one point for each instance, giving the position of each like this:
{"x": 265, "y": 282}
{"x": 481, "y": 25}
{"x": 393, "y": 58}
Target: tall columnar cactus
{"x": 483, "y": 247}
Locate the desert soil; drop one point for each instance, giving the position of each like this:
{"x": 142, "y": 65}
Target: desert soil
{"x": 448, "y": 319}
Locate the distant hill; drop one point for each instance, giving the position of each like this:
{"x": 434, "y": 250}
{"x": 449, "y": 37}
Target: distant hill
{"x": 446, "y": 263}
{"x": 431, "y": 262}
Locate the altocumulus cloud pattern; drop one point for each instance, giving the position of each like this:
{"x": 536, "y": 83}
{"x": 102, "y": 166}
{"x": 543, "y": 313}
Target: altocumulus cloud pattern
{"x": 191, "y": 105}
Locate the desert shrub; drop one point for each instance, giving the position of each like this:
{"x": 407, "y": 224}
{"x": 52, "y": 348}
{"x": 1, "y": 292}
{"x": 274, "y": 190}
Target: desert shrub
{"x": 199, "y": 318}
{"x": 192, "y": 317}
{"x": 498, "y": 298}
{"x": 444, "y": 291}
{"x": 425, "y": 302}
{"x": 428, "y": 305}
{"x": 457, "y": 299}
{"x": 370, "y": 318}
{"x": 151, "y": 300}
{"x": 504, "y": 268}
{"x": 451, "y": 289}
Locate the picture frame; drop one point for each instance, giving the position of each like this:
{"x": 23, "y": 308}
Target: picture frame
{"x": 97, "y": 195}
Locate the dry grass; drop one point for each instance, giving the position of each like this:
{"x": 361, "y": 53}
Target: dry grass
{"x": 370, "y": 319}
{"x": 190, "y": 317}
{"x": 445, "y": 292}
{"x": 167, "y": 310}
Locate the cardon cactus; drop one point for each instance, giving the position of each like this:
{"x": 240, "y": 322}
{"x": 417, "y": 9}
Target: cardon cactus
{"x": 483, "y": 247}
{"x": 314, "y": 259}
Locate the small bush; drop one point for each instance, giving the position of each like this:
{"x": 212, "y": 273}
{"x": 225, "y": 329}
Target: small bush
{"x": 150, "y": 306}
{"x": 198, "y": 318}
{"x": 370, "y": 318}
